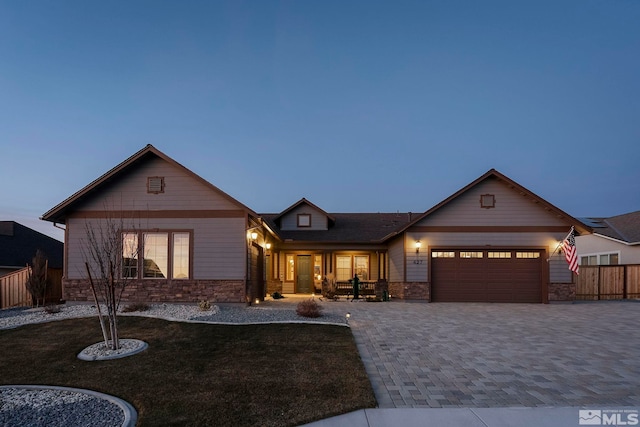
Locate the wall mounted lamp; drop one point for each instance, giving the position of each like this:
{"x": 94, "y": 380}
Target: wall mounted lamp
{"x": 268, "y": 246}
{"x": 254, "y": 235}
{"x": 418, "y": 245}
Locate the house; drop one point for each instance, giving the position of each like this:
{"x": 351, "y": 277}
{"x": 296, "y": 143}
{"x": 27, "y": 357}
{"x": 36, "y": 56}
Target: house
{"x": 491, "y": 241}
{"x": 192, "y": 241}
{"x": 313, "y": 244}
{"x": 18, "y": 246}
{"x": 615, "y": 240}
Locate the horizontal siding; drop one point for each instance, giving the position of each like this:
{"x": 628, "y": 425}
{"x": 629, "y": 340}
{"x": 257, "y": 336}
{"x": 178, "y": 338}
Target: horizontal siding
{"x": 182, "y": 191}
{"x": 218, "y": 245}
{"x": 539, "y": 240}
{"x": 289, "y": 221}
{"x": 396, "y": 261}
{"x": 559, "y": 270}
{"x": 511, "y": 209}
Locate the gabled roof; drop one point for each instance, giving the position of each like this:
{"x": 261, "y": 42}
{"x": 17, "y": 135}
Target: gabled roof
{"x": 58, "y": 213}
{"x": 624, "y": 228}
{"x": 303, "y": 201}
{"x": 18, "y": 245}
{"x": 347, "y": 228}
{"x": 492, "y": 173}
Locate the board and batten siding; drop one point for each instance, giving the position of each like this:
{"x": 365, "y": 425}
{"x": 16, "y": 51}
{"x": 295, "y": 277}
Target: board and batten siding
{"x": 289, "y": 221}
{"x": 182, "y": 191}
{"x": 511, "y": 209}
{"x": 218, "y": 244}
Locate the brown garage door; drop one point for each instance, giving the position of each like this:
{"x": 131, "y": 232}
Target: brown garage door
{"x": 482, "y": 275}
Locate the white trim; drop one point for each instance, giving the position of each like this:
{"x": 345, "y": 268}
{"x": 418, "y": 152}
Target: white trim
{"x": 597, "y": 254}
{"x": 616, "y": 240}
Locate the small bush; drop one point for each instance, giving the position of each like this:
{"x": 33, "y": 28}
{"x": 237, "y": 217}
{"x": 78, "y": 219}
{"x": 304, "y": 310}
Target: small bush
{"x": 276, "y": 295}
{"x": 309, "y": 308}
{"x": 204, "y": 305}
{"x": 52, "y": 308}
{"x": 138, "y": 306}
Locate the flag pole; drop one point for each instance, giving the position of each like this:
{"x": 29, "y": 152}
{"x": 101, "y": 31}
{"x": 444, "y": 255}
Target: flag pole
{"x": 560, "y": 244}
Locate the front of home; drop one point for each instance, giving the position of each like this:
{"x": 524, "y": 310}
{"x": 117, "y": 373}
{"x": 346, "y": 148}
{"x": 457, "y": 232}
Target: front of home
{"x": 491, "y": 241}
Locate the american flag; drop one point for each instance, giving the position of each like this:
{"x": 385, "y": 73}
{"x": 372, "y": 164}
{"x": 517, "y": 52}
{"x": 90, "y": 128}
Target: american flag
{"x": 570, "y": 252}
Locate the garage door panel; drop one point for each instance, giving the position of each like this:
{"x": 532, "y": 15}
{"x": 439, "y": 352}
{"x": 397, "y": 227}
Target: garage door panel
{"x": 484, "y": 279}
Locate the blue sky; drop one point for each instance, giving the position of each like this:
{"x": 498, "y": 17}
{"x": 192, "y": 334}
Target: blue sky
{"x": 359, "y": 106}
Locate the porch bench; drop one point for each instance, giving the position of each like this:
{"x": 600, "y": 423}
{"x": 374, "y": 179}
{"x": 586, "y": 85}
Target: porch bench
{"x": 345, "y": 288}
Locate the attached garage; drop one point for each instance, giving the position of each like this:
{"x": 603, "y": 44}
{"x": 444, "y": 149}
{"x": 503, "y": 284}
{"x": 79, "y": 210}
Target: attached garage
{"x": 481, "y": 275}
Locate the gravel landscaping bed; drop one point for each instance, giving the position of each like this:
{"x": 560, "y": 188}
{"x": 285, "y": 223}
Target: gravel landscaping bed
{"x": 55, "y": 407}
{"x": 14, "y": 317}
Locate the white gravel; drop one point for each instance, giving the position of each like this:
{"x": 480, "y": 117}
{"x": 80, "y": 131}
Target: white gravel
{"x": 12, "y": 318}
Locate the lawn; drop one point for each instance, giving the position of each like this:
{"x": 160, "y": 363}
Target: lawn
{"x": 198, "y": 374}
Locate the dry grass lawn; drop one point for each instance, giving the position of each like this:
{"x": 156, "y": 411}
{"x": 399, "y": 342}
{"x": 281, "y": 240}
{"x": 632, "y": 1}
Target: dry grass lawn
{"x": 198, "y": 374}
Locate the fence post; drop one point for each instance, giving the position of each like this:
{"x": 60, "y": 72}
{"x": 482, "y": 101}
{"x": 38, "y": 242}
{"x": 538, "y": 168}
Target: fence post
{"x": 598, "y": 282}
{"x": 624, "y": 282}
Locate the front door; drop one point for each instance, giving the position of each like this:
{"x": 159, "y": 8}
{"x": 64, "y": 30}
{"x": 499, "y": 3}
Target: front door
{"x": 304, "y": 283}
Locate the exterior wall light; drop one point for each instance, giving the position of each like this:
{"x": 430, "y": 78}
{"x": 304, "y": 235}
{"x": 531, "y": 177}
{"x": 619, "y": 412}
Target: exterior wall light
{"x": 418, "y": 245}
{"x": 254, "y": 235}
{"x": 268, "y": 246}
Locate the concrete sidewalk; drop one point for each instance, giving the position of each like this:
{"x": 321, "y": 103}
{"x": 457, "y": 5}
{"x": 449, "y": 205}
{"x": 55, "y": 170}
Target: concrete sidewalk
{"x": 483, "y": 417}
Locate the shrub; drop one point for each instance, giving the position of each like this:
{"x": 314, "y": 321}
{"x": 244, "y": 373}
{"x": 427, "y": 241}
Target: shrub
{"x": 138, "y": 306}
{"x": 309, "y": 308}
{"x": 204, "y": 305}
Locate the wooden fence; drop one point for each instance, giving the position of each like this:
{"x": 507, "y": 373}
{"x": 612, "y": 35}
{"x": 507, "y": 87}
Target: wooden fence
{"x": 13, "y": 289}
{"x": 608, "y": 282}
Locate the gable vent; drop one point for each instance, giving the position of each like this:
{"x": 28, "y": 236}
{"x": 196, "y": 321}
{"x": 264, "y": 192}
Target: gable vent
{"x": 155, "y": 184}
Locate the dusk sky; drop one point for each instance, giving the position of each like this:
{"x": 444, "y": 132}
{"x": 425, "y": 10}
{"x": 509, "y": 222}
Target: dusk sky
{"x": 359, "y": 106}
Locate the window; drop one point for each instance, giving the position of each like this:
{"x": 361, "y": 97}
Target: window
{"x": 156, "y": 254}
{"x": 181, "y": 250}
{"x": 129, "y": 255}
{"x": 317, "y": 267}
{"x": 348, "y": 266}
{"x": 609, "y": 259}
{"x": 164, "y": 255}
{"x": 487, "y": 201}
{"x": 471, "y": 254}
{"x": 502, "y": 255}
{"x": 436, "y": 254}
{"x": 155, "y": 184}
{"x": 290, "y": 268}
{"x": 304, "y": 220}
{"x": 600, "y": 259}
{"x": 527, "y": 254}
{"x": 362, "y": 266}
{"x": 343, "y": 267}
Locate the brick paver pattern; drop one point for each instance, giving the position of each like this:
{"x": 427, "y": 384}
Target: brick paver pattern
{"x": 498, "y": 355}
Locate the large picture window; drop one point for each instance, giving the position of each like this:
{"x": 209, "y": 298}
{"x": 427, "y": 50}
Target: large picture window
{"x": 348, "y": 266}
{"x": 164, "y": 255}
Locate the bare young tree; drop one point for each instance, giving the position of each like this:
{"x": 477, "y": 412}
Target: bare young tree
{"x": 110, "y": 256}
{"x": 37, "y": 278}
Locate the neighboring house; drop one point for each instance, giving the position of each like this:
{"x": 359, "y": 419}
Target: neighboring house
{"x": 18, "y": 246}
{"x": 615, "y": 240}
{"x": 490, "y": 241}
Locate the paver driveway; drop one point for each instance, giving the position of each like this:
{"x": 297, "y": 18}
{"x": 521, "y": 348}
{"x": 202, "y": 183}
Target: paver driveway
{"x": 496, "y": 355}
